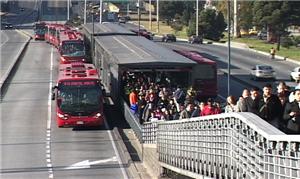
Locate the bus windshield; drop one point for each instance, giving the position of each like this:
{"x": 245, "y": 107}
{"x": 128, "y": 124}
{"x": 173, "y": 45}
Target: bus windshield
{"x": 72, "y": 49}
{"x": 39, "y": 31}
{"x": 83, "y": 100}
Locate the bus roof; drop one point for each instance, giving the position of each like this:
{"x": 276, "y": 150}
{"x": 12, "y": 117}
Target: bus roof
{"x": 68, "y": 35}
{"x": 77, "y": 71}
{"x": 195, "y": 56}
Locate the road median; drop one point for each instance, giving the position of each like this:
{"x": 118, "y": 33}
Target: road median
{"x": 13, "y": 66}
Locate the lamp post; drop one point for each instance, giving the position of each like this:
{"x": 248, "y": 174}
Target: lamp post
{"x": 150, "y": 15}
{"x": 139, "y": 16}
{"x": 92, "y": 38}
{"x": 197, "y": 17}
{"x": 68, "y": 10}
{"x": 101, "y": 10}
{"x": 157, "y": 15}
{"x": 229, "y": 58}
{"x": 84, "y": 16}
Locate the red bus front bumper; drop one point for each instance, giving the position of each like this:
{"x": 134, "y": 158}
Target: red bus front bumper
{"x": 73, "y": 121}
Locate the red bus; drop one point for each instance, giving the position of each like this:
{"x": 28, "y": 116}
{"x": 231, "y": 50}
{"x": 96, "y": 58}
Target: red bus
{"x": 39, "y": 30}
{"x": 71, "y": 47}
{"x": 204, "y": 74}
{"x": 52, "y": 33}
{"x": 79, "y": 97}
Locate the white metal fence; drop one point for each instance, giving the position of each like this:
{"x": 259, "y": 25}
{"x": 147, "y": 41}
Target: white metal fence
{"x": 231, "y": 145}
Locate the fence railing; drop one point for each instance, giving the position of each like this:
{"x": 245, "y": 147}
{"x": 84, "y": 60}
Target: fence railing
{"x": 150, "y": 132}
{"x": 231, "y": 145}
{"x": 132, "y": 120}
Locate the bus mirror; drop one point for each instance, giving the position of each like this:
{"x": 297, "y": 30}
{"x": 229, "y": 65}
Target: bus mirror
{"x": 53, "y": 96}
{"x": 53, "y": 92}
{"x": 103, "y": 92}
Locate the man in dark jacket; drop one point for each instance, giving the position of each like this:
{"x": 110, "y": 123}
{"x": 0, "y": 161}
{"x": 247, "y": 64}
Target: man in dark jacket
{"x": 269, "y": 106}
{"x": 292, "y": 114}
{"x": 251, "y": 103}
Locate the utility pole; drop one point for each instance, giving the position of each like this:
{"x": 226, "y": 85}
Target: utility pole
{"x": 157, "y": 15}
{"x": 235, "y": 20}
{"x": 229, "y": 55}
{"x": 84, "y": 16}
{"x": 101, "y": 10}
{"x": 139, "y": 16}
{"x": 197, "y": 17}
{"x": 150, "y": 15}
{"x": 68, "y": 10}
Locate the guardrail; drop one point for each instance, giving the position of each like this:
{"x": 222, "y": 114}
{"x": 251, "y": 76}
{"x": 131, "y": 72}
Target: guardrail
{"x": 132, "y": 120}
{"x": 150, "y": 132}
{"x": 231, "y": 145}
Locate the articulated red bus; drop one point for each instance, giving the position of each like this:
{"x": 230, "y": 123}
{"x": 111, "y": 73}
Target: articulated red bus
{"x": 204, "y": 75}
{"x": 71, "y": 47}
{"x": 39, "y": 30}
{"x": 79, "y": 97}
{"x": 52, "y": 33}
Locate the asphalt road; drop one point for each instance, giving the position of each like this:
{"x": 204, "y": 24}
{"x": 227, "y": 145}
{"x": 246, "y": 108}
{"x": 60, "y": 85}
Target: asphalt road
{"x": 31, "y": 144}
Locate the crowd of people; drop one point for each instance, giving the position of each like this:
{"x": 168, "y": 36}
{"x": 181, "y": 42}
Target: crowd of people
{"x": 151, "y": 100}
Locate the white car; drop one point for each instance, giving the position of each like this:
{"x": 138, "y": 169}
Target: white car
{"x": 262, "y": 72}
{"x": 295, "y": 74}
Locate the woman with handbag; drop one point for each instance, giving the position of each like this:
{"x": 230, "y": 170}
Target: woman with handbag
{"x": 292, "y": 114}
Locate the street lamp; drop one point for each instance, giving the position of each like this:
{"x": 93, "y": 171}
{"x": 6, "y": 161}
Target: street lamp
{"x": 157, "y": 15}
{"x": 139, "y": 16}
{"x": 150, "y": 15}
{"x": 229, "y": 59}
{"x": 92, "y": 36}
{"x": 101, "y": 10}
{"x": 84, "y": 12}
{"x": 68, "y": 10}
{"x": 197, "y": 17}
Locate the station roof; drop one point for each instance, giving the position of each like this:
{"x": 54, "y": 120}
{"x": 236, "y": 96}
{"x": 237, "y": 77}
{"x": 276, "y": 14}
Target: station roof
{"x": 107, "y": 28}
{"x": 137, "y": 51}
{"x": 127, "y": 49}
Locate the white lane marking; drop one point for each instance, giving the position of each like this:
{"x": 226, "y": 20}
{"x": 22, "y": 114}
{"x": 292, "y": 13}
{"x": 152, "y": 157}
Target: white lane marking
{"x": 48, "y": 132}
{"x": 87, "y": 163}
{"x": 116, "y": 151}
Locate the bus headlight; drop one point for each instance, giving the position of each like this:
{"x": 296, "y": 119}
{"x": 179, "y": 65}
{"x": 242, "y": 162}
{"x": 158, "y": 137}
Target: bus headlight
{"x": 63, "y": 59}
{"x": 98, "y": 115}
{"x": 62, "y": 116}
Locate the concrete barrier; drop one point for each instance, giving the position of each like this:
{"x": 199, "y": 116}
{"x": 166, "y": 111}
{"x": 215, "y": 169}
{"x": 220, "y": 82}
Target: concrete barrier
{"x": 11, "y": 69}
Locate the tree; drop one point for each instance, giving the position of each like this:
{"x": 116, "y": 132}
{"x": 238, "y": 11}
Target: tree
{"x": 212, "y": 24}
{"x": 277, "y": 16}
{"x": 168, "y": 9}
{"x": 245, "y": 16}
{"x": 191, "y": 30}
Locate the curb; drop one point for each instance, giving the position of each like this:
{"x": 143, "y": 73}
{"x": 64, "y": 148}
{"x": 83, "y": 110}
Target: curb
{"x": 5, "y": 78}
{"x": 125, "y": 156}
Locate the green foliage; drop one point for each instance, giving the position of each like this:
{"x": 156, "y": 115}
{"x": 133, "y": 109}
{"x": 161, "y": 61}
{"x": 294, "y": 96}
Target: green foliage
{"x": 212, "y": 24}
{"x": 245, "y": 14}
{"x": 191, "y": 30}
{"x": 296, "y": 40}
{"x": 287, "y": 42}
{"x": 177, "y": 26}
